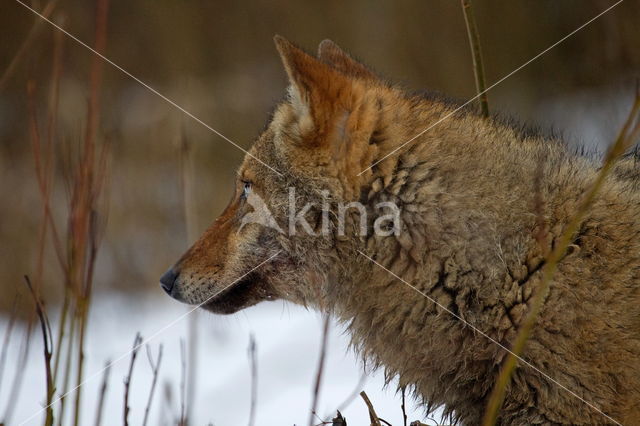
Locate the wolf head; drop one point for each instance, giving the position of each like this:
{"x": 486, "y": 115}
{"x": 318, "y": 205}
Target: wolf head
{"x": 318, "y": 141}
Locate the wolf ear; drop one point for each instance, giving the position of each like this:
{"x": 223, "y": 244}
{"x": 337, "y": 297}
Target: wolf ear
{"x": 330, "y": 53}
{"x": 335, "y": 114}
{"x": 319, "y": 93}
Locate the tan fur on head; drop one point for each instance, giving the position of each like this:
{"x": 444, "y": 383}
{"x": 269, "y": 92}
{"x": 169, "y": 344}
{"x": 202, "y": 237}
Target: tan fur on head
{"x": 467, "y": 192}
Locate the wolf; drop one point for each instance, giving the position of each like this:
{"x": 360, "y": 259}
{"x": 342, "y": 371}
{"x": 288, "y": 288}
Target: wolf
{"x": 481, "y": 203}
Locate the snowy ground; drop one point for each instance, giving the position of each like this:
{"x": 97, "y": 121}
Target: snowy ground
{"x": 288, "y": 342}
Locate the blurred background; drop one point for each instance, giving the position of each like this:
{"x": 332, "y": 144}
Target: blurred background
{"x": 167, "y": 176}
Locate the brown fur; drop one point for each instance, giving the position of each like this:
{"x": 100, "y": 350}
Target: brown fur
{"x": 469, "y": 240}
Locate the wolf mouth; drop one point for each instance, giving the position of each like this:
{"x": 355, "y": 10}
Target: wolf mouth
{"x": 246, "y": 292}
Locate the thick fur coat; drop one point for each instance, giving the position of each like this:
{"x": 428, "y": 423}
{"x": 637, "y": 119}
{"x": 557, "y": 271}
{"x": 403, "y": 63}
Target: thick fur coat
{"x": 481, "y": 204}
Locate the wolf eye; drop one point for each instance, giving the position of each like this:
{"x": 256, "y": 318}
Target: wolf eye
{"x": 246, "y": 189}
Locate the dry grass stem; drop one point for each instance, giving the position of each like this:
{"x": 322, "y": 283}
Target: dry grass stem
{"x": 476, "y": 54}
{"x": 183, "y": 388}
{"x": 318, "y": 380}
{"x": 46, "y": 337}
{"x": 353, "y": 395}
{"x": 103, "y": 393}
{"x": 137, "y": 341}
{"x": 26, "y": 44}
{"x": 625, "y": 139}
{"x": 373, "y": 417}
{"x": 155, "y": 368}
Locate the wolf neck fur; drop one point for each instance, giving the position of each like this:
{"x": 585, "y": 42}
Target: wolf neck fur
{"x": 459, "y": 246}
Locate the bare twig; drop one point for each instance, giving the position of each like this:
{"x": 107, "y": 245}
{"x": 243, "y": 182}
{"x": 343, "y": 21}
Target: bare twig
{"x": 318, "y": 381}
{"x": 44, "y": 179}
{"x": 45, "y": 191}
{"x": 192, "y": 356}
{"x": 78, "y": 254}
{"x": 83, "y": 213}
{"x": 183, "y": 378}
{"x": 127, "y": 380}
{"x": 26, "y": 44}
{"x": 95, "y": 76}
{"x": 404, "y": 409}
{"x": 46, "y": 337}
{"x": 476, "y": 54}
{"x": 373, "y": 417}
{"x": 43, "y": 170}
{"x": 338, "y": 420}
{"x": 254, "y": 379}
{"x": 68, "y": 360}
{"x": 625, "y": 139}
{"x": 155, "y": 367}
{"x": 166, "y": 410}
{"x": 103, "y": 392}
{"x": 353, "y": 395}
{"x": 62, "y": 323}
{"x": 44, "y": 163}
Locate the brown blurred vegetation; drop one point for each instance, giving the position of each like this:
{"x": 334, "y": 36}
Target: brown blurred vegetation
{"x": 217, "y": 60}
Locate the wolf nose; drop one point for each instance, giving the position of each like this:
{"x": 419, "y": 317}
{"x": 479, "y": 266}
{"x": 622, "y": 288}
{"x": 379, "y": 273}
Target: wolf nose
{"x": 168, "y": 280}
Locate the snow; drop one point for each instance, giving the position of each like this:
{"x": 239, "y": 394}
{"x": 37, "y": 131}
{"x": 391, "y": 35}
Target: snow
{"x": 288, "y": 347}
